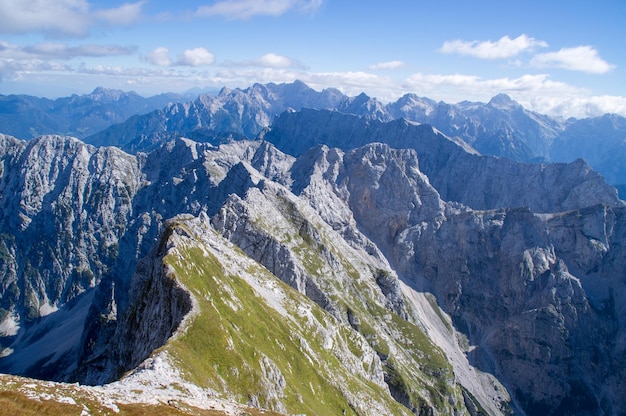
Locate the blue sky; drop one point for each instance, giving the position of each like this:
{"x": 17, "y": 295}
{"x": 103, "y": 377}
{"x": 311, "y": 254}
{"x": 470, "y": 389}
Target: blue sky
{"x": 562, "y": 58}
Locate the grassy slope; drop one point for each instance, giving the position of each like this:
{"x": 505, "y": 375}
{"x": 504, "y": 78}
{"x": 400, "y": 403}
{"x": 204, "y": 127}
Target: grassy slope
{"x": 417, "y": 368}
{"x": 238, "y": 328}
{"x": 222, "y": 348}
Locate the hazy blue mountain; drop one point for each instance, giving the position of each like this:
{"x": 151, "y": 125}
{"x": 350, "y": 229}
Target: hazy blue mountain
{"x": 602, "y": 141}
{"x": 456, "y": 170}
{"x": 79, "y": 116}
{"x": 501, "y": 127}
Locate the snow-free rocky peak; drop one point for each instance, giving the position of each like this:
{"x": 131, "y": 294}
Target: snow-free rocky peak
{"x": 503, "y": 102}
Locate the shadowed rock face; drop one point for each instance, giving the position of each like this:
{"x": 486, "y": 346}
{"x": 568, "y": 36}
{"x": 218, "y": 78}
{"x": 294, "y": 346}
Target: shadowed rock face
{"x": 452, "y": 167}
{"x": 538, "y": 297}
{"x": 501, "y": 277}
{"x": 526, "y": 289}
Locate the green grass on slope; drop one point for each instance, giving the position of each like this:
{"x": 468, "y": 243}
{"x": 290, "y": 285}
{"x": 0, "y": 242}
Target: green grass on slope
{"x": 225, "y": 343}
{"x": 415, "y": 367}
{"x": 416, "y": 370}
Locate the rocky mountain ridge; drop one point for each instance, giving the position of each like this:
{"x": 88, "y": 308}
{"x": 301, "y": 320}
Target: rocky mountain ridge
{"x": 405, "y": 299}
{"x": 500, "y": 127}
{"x": 456, "y": 170}
{"x": 100, "y": 310}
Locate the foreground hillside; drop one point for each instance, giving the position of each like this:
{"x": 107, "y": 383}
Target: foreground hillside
{"x": 25, "y": 396}
{"x": 341, "y": 265}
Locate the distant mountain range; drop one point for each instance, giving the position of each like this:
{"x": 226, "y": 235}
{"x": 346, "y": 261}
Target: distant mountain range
{"x": 79, "y": 116}
{"x": 500, "y": 127}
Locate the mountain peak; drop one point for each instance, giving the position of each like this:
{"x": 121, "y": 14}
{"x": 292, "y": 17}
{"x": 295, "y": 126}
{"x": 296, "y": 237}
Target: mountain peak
{"x": 503, "y": 102}
{"x": 101, "y": 93}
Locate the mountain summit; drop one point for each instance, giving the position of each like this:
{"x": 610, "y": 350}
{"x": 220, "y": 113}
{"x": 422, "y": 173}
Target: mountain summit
{"x": 503, "y": 102}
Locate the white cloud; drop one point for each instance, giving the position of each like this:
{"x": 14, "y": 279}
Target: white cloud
{"x": 535, "y": 92}
{"x": 120, "y": 71}
{"x": 61, "y": 17}
{"x": 16, "y": 68}
{"x": 581, "y": 58}
{"x": 471, "y": 86}
{"x": 63, "y": 51}
{"x": 579, "y": 107}
{"x": 43, "y": 57}
{"x": 269, "y": 60}
{"x": 501, "y": 49}
{"x": 272, "y": 60}
{"x": 159, "y": 57}
{"x": 245, "y": 9}
{"x": 196, "y": 57}
{"x": 125, "y": 15}
{"x": 387, "y": 65}
{"x": 189, "y": 57}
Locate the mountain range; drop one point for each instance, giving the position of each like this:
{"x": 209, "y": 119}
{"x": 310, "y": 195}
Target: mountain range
{"x": 501, "y": 127}
{"x": 278, "y": 248}
{"x": 79, "y": 116}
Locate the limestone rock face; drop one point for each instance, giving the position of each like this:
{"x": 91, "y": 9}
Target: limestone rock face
{"x": 453, "y": 168}
{"x": 65, "y": 208}
{"x": 76, "y": 219}
{"x": 414, "y": 275}
{"x": 158, "y": 304}
{"x": 503, "y": 277}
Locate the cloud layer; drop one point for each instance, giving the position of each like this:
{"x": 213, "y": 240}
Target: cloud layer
{"x": 503, "y": 48}
{"x": 387, "y": 65}
{"x": 189, "y": 57}
{"x": 53, "y": 50}
{"x": 245, "y": 9}
{"x": 62, "y": 17}
{"x": 581, "y": 58}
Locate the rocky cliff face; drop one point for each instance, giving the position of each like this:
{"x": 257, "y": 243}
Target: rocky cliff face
{"x": 525, "y": 311}
{"x": 502, "y": 275}
{"x": 366, "y": 269}
{"x": 453, "y": 168}
{"x": 65, "y": 208}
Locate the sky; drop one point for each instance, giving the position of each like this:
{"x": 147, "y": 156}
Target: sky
{"x": 562, "y": 58}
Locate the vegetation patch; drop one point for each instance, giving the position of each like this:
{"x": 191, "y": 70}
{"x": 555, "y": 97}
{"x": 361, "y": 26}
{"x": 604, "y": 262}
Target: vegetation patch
{"x": 223, "y": 347}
